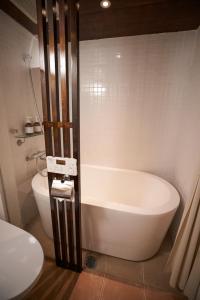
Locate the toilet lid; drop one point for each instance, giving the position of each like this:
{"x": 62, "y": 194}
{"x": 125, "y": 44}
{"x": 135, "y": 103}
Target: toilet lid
{"x": 21, "y": 260}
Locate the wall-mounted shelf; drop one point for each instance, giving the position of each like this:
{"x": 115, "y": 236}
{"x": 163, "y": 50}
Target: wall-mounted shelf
{"x": 25, "y": 136}
{"x": 21, "y": 138}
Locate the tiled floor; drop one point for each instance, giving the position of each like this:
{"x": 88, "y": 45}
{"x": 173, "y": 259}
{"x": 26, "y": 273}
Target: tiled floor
{"x": 93, "y": 287}
{"x": 111, "y": 278}
{"x": 59, "y": 284}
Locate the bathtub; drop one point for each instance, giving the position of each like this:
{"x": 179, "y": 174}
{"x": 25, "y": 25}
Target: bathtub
{"x": 125, "y": 213}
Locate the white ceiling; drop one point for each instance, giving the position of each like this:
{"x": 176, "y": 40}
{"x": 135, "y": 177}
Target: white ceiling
{"x": 28, "y": 7}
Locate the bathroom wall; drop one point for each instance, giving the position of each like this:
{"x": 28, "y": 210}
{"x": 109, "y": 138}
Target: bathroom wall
{"x": 140, "y": 105}
{"x": 16, "y": 101}
{"x": 3, "y": 210}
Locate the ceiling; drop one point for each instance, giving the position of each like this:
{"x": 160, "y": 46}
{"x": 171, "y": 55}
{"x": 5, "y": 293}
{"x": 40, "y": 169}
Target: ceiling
{"x": 134, "y": 17}
{"x": 27, "y": 7}
{"x": 123, "y": 18}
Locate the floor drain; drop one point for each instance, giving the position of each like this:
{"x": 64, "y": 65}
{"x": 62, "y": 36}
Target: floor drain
{"x": 91, "y": 262}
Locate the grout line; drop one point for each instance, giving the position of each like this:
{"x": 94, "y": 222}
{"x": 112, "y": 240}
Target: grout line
{"x": 143, "y": 281}
{"x": 104, "y": 277}
{"x": 102, "y": 288}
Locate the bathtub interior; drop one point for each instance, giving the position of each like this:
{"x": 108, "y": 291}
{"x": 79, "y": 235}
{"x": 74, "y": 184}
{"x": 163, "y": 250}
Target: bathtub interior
{"x": 121, "y": 189}
{"x": 127, "y": 189}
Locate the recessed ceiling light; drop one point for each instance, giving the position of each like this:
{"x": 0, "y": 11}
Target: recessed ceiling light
{"x": 118, "y": 55}
{"x": 105, "y": 3}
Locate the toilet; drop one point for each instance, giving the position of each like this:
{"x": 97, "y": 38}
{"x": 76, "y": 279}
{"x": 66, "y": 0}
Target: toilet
{"x": 21, "y": 261}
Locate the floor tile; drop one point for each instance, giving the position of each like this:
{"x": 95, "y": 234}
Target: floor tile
{"x": 94, "y": 287}
{"x": 115, "y": 268}
{"x": 115, "y": 290}
{"x": 88, "y": 287}
{"x": 124, "y": 270}
{"x": 152, "y": 294}
{"x": 155, "y": 275}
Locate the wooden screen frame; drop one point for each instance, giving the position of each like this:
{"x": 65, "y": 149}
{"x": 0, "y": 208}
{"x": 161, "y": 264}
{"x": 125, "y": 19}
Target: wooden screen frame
{"x": 58, "y": 24}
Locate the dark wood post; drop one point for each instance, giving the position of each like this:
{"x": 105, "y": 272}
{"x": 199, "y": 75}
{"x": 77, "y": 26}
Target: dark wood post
{"x": 57, "y": 27}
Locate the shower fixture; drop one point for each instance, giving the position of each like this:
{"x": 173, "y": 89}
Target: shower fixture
{"x": 27, "y": 58}
{"x": 38, "y": 154}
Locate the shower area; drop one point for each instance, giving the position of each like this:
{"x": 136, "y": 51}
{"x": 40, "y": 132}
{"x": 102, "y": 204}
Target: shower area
{"x": 139, "y": 126}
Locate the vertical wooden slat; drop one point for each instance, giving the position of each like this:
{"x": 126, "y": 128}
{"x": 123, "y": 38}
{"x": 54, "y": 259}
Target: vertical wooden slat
{"x": 64, "y": 78}
{"x": 55, "y": 228}
{"x": 63, "y": 237}
{"x": 74, "y": 37}
{"x": 52, "y": 29}
{"x": 54, "y": 218}
{"x": 63, "y": 31}
{"x": 70, "y": 233}
{"x": 44, "y": 71}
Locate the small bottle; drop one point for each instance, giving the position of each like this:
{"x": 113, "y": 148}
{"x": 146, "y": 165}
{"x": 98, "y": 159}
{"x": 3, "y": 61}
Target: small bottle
{"x": 37, "y": 126}
{"x": 28, "y": 127}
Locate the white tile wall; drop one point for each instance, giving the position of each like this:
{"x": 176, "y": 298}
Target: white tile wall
{"x": 140, "y": 105}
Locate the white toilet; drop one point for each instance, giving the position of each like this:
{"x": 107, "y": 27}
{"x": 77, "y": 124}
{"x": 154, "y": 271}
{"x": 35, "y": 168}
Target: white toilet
{"x": 21, "y": 261}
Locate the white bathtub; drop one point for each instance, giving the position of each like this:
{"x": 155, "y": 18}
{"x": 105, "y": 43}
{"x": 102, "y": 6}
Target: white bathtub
{"x": 124, "y": 213}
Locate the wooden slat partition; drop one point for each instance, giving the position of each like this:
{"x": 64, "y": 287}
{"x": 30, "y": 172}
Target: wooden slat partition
{"x": 61, "y": 209}
{"x": 74, "y": 38}
{"x": 64, "y": 78}
{"x": 44, "y": 72}
{"x": 58, "y": 25}
{"x": 53, "y": 76}
{"x": 63, "y": 30}
{"x": 55, "y": 226}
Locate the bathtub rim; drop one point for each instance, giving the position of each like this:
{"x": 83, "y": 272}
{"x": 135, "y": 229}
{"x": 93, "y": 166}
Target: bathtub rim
{"x": 155, "y": 211}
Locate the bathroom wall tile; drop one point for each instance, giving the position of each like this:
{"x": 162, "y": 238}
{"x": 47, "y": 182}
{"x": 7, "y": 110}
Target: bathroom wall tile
{"x": 7, "y": 167}
{"x": 140, "y": 105}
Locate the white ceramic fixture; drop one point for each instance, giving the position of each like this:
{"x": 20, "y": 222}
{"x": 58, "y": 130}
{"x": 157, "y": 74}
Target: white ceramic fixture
{"x": 125, "y": 213}
{"x": 21, "y": 261}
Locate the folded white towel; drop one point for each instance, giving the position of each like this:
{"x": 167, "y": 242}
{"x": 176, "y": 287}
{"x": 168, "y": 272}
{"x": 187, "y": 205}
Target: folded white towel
{"x": 62, "y": 189}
